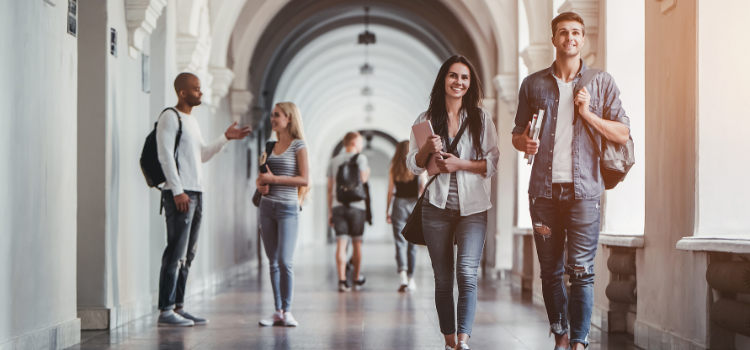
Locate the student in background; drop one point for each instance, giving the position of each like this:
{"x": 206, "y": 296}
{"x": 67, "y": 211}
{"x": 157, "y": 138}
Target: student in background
{"x": 348, "y": 219}
{"x": 284, "y": 187}
{"x": 456, "y": 204}
{"x": 408, "y": 187}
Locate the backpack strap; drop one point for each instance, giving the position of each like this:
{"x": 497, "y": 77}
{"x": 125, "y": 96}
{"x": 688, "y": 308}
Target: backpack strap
{"x": 269, "y": 148}
{"x": 586, "y": 78}
{"x": 176, "y": 144}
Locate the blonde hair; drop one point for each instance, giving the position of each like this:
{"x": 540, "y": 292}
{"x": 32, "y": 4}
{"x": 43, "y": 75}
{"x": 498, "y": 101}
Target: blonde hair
{"x": 399, "y": 171}
{"x": 297, "y": 131}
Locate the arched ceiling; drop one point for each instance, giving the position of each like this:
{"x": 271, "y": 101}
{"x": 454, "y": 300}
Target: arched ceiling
{"x": 324, "y": 80}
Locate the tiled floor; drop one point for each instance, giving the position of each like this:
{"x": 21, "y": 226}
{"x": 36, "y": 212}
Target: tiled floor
{"x": 377, "y": 317}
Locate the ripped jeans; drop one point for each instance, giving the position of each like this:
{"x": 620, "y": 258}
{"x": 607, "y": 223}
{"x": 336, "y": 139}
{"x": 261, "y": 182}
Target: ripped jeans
{"x": 554, "y": 220}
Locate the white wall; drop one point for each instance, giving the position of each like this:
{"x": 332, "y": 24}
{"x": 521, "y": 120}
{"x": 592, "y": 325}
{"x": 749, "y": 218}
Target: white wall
{"x": 722, "y": 120}
{"x": 625, "y": 61}
{"x": 38, "y": 176}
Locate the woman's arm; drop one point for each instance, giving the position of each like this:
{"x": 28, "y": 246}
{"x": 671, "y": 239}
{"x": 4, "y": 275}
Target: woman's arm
{"x": 296, "y": 181}
{"x": 390, "y": 197}
{"x": 422, "y": 182}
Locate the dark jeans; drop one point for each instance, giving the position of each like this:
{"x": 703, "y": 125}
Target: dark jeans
{"x": 562, "y": 224}
{"x": 440, "y": 226}
{"x": 406, "y": 252}
{"x": 278, "y": 227}
{"x": 182, "y": 240}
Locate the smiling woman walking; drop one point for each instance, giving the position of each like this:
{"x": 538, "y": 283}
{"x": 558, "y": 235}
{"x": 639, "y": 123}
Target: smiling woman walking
{"x": 460, "y": 196}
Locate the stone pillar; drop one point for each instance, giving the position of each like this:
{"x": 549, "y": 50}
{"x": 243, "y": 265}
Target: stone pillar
{"x": 507, "y": 86}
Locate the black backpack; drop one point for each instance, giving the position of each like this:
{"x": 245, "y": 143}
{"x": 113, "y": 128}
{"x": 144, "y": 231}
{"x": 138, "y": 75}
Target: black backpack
{"x": 349, "y": 186}
{"x": 150, "y": 165}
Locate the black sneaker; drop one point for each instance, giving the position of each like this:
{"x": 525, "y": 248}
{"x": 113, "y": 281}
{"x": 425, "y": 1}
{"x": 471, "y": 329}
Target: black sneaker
{"x": 360, "y": 282}
{"x": 344, "y": 286}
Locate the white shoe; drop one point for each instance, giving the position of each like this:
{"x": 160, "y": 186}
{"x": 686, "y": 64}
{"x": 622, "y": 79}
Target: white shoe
{"x": 448, "y": 347}
{"x": 412, "y": 286}
{"x": 462, "y": 346}
{"x": 276, "y": 320}
{"x": 187, "y": 315}
{"x": 404, "y": 281}
{"x": 289, "y": 320}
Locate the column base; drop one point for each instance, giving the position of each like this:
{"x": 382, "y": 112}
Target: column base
{"x": 57, "y": 337}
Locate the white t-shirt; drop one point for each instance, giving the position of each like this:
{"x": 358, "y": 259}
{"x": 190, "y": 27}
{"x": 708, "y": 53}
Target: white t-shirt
{"x": 191, "y": 152}
{"x": 562, "y": 157}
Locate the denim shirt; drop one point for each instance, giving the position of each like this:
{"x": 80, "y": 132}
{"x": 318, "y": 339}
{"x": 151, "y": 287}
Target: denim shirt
{"x": 540, "y": 91}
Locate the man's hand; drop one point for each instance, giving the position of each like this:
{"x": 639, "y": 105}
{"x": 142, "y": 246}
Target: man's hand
{"x": 524, "y": 143}
{"x": 267, "y": 178}
{"x": 233, "y": 133}
{"x": 582, "y": 100}
{"x": 388, "y": 218}
{"x": 182, "y": 201}
{"x": 450, "y": 164}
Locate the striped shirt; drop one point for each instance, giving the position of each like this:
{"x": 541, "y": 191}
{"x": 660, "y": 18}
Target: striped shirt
{"x": 284, "y": 164}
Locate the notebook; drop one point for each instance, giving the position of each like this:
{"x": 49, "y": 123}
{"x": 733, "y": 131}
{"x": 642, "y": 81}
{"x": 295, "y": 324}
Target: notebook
{"x": 422, "y": 132}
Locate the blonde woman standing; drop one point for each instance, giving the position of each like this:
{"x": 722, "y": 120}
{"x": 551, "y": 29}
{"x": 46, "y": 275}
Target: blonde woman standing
{"x": 406, "y": 188}
{"x": 284, "y": 187}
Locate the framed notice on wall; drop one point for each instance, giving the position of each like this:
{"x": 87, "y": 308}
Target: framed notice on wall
{"x": 113, "y": 41}
{"x": 72, "y": 17}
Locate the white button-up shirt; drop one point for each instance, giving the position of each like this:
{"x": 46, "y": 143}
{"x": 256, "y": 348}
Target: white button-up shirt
{"x": 473, "y": 189}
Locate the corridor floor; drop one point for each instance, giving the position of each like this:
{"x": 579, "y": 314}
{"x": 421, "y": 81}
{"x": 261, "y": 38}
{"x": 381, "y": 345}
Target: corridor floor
{"x": 376, "y": 317}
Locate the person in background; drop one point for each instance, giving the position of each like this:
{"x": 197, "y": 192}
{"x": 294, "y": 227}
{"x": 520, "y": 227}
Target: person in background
{"x": 456, "y": 204}
{"x": 284, "y": 188}
{"x": 408, "y": 187}
{"x": 348, "y": 219}
{"x": 182, "y": 195}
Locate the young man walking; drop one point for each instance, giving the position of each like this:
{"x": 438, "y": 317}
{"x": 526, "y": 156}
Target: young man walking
{"x": 182, "y": 195}
{"x": 566, "y": 182}
{"x": 348, "y": 219}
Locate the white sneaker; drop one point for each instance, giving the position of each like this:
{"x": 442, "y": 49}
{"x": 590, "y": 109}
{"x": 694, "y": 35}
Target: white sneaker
{"x": 289, "y": 320}
{"x": 276, "y": 320}
{"x": 187, "y": 315}
{"x": 174, "y": 320}
{"x": 412, "y": 285}
{"x": 448, "y": 347}
{"x": 462, "y": 346}
{"x": 404, "y": 281}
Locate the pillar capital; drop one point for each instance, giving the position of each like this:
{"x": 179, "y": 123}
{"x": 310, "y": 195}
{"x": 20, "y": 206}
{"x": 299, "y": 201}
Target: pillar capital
{"x": 240, "y": 101}
{"x": 507, "y": 88}
{"x": 141, "y": 17}
{"x": 537, "y": 56}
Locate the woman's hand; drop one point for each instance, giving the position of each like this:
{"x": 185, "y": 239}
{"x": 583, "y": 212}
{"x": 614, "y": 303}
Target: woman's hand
{"x": 388, "y": 218}
{"x": 262, "y": 188}
{"x": 267, "y": 178}
{"x": 450, "y": 164}
{"x": 433, "y": 145}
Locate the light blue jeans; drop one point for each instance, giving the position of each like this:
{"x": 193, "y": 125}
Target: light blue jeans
{"x": 406, "y": 252}
{"x": 278, "y": 227}
{"x": 440, "y": 227}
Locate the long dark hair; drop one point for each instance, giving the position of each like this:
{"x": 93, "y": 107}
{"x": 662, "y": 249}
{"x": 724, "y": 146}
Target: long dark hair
{"x": 438, "y": 115}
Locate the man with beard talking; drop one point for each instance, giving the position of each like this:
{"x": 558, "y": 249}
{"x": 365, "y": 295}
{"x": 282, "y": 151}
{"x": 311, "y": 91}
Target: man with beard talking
{"x": 182, "y": 194}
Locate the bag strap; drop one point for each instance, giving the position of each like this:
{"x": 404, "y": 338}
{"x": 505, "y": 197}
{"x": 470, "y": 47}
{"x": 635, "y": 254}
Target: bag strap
{"x": 586, "y": 78}
{"x": 179, "y": 136}
{"x": 451, "y": 148}
{"x": 269, "y": 148}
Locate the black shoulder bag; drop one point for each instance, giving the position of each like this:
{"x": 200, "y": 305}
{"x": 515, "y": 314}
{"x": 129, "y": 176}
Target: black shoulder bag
{"x": 263, "y": 169}
{"x": 615, "y": 160}
{"x": 412, "y": 231}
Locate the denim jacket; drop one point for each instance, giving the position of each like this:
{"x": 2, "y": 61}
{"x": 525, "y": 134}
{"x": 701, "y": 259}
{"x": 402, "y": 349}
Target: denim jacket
{"x": 540, "y": 91}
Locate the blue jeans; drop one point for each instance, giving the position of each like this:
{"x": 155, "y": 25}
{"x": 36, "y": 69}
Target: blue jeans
{"x": 278, "y": 226}
{"x": 554, "y": 220}
{"x": 441, "y": 227}
{"x": 406, "y": 253}
{"x": 182, "y": 241}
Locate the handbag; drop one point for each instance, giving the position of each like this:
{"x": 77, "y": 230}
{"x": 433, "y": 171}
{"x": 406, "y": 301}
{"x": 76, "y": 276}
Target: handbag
{"x": 263, "y": 168}
{"x": 615, "y": 160}
{"x": 412, "y": 231}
